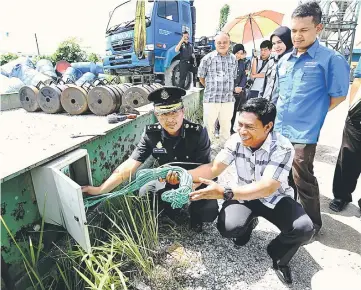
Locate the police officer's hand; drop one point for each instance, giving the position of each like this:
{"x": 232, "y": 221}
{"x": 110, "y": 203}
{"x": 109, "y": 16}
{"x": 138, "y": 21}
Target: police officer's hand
{"x": 92, "y": 190}
{"x": 237, "y": 90}
{"x": 212, "y": 191}
{"x": 172, "y": 177}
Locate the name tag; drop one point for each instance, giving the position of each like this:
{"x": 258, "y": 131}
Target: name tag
{"x": 160, "y": 150}
{"x": 310, "y": 64}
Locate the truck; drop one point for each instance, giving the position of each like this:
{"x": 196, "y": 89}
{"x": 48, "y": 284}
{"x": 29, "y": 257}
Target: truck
{"x": 165, "y": 22}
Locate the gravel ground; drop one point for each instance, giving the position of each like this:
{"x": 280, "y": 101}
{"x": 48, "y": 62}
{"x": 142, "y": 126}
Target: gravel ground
{"x": 212, "y": 262}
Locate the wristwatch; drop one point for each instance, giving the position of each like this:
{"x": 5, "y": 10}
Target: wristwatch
{"x": 228, "y": 194}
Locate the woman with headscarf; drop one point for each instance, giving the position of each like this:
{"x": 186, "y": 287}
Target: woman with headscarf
{"x": 282, "y": 43}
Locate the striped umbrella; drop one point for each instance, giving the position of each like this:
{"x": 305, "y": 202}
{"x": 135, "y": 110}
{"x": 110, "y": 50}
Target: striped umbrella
{"x": 253, "y": 26}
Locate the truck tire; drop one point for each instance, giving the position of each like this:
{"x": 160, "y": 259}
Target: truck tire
{"x": 171, "y": 76}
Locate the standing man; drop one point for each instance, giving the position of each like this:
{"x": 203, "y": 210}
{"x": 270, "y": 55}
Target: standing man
{"x": 348, "y": 166}
{"x": 311, "y": 80}
{"x": 259, "y": 68}
{"x": 239, "y": 82}
{"x": 186, "y": 58}
{"x": 217, "y": 72}
{"x": 173, "y": 139}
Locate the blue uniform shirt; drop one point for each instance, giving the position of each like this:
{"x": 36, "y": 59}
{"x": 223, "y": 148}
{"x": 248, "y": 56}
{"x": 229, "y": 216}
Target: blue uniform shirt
{"x": 357, "y": 73}
{"x": 305, "y": 85}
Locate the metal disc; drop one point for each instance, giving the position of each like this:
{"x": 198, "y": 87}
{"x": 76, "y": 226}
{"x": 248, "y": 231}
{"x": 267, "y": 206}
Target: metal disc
{"x": 49, "y": 99}
{"x": 135, "y": 96}
{"x": 102, "y": 100}
{"x": 119, "y": 94}
{"x": 74, "y": 100}
{"x": 29, "y": 98}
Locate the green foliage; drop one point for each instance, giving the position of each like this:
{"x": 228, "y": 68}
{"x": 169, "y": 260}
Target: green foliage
{"x": 70, "y": 51}
{"x": 5, "y": 58}
{"x": 223, "y": 16}
{"x": 93, "y": 57}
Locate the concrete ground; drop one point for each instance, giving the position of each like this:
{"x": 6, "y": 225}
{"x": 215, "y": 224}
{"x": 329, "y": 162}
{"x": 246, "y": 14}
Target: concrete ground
{"x": 331, "y": 261}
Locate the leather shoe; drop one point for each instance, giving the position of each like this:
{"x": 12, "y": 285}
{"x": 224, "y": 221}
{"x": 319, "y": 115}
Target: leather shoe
{"x": 283, "y": 273}
{"x": 242, "y": 240}
{"x": 337, "y": 204}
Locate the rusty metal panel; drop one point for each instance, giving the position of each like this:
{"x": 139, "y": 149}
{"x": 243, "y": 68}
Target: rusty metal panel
{"x": 20, "y": 211}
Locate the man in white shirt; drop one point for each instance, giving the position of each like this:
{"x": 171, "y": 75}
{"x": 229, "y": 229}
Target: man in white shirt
{"x": 263, "y": 160}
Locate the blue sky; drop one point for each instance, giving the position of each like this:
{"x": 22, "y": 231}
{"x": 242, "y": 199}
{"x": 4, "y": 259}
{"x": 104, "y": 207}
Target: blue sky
{"x": 54, "y": 21}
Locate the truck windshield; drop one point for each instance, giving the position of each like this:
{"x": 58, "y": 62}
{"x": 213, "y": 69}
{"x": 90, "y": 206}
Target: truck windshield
{"x": 124, "y": 15}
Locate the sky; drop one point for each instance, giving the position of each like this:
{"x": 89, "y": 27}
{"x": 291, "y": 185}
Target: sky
{"x": 56, "y": 21}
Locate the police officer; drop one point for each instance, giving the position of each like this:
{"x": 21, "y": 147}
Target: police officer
{"x": 172, "y": 140}
{"x": 186, "y": 58}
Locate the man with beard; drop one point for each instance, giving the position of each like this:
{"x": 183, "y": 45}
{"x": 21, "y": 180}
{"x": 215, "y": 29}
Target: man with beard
{"x": 172, "y": 140}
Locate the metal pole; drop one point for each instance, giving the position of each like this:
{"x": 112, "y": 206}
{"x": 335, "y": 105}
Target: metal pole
{"x": 37, "y": 45}
{"x": 250, "y": 21}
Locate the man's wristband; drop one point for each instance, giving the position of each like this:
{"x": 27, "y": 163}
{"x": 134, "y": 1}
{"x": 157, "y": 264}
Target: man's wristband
{"x": 228, "y": 194}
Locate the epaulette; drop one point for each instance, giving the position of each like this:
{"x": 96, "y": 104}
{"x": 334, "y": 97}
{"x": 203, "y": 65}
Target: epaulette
{"x": 153, "y": 127}
{"x": 193, "y": 127}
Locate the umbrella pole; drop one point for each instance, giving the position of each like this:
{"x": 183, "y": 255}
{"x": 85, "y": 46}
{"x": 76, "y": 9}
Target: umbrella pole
{"x": 250, "y": 21}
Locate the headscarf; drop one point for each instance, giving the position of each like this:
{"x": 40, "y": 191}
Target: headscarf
{"x": 284, "y": 33}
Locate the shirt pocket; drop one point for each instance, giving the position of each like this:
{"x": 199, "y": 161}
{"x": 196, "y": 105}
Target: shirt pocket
{"x": 312, "y": 75}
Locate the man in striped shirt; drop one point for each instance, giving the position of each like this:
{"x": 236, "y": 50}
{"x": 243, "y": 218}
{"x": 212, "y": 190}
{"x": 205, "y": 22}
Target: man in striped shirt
{"x": 263, "y": 160}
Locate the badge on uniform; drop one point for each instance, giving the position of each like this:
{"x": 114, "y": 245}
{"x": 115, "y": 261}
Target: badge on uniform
{"x": 159, "y": 149}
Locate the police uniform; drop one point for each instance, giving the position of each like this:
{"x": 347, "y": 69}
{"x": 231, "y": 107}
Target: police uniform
{"x": 191, "y": 146}
{"x": 186, "y": 62}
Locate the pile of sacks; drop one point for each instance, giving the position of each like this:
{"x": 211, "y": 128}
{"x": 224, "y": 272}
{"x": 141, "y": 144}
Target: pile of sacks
{"x": 21, "y": 71}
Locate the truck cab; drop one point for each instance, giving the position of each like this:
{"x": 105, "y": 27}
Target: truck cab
{"x": 165, "y": 22}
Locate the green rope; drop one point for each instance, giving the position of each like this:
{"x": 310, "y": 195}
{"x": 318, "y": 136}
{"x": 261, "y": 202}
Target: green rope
{"x": 176, "y": 197}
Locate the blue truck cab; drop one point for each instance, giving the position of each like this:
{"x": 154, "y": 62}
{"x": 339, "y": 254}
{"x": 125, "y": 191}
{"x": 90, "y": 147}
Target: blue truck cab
{"x": 165, "y": 22}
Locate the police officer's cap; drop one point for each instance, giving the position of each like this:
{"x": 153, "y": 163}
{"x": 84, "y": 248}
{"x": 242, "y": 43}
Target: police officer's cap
{"x": 166, "y": 96}
{"x": 167, "y": 99}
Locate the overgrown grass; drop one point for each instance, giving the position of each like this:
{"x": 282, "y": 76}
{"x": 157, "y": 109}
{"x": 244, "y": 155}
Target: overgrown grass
{"x": 126, "y": 255}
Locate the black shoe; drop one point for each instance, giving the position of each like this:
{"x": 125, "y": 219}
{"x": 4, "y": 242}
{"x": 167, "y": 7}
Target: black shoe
{"x": 359, "y": 203}
{"x": 232, "y": 132}
{"x": 196, "y": 226}
{"x": 242, "y": 240}
{"x": 283, "y": 273}
{"x": 337, "y": 204}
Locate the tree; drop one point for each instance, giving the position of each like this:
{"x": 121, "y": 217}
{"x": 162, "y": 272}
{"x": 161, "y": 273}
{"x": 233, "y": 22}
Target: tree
{"x": 70, "y": 51}
{"x": 223, "y": 16}
{"x": 93, "y": 57}
{"x": 5, "y": 58}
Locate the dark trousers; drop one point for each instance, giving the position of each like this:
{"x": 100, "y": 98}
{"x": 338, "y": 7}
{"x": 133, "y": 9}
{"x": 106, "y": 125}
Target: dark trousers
{"x": 348, "y": 167}
{"x": 240, "y": 100}
{"x": 288, "y": 215}
{"x": 184, "y": 68}
{"x": 200, "y": 210}
{"x": 304, "y": 182}
{"x": 252, "y": 94}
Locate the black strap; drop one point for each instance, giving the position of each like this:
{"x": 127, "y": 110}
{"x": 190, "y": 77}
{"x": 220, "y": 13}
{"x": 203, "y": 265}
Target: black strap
{"x": 263, "y": 65}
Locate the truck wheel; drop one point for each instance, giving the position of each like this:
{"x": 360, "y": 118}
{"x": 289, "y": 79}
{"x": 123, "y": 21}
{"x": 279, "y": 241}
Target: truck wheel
{"x": 171, "y": 76}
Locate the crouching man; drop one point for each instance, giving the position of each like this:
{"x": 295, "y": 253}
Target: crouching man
{"x": 172, "y": 140}
{"x": 263, "y": 160}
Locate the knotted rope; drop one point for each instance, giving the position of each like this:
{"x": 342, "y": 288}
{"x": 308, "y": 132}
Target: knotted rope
{"x": 176, "y": 197}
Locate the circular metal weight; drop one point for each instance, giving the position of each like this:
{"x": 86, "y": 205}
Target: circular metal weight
{"x": 74, "y": 100}
{"x": 156, "y": 85}
{"x": 102, "y": 100}
{"x": 29, "y": 98}
{"x": 119, "y": 94}
{"x": 136, "y": 96}
{"x": 49, "y": 99}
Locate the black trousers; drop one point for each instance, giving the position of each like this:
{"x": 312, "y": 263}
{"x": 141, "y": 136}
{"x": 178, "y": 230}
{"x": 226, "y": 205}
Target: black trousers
{"x": 184, "y": 68}
{"x": 348, "y": 167}
{"x": 199, "y": 210}
{"x": 240, "y": 100}
{"x": 288, "y": 215}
